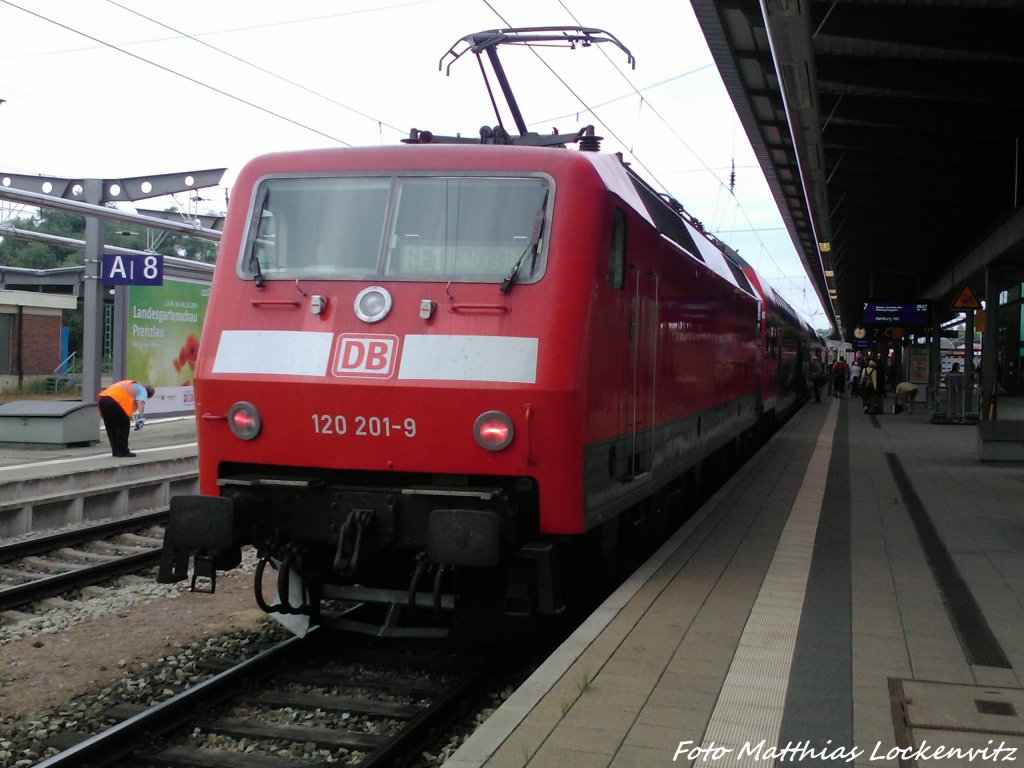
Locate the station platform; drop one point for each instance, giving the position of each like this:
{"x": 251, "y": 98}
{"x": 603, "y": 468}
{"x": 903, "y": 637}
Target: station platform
{"x": 45, "y": 487}
{"x": 853, "y": 596}
{"x": 174, "y": 433}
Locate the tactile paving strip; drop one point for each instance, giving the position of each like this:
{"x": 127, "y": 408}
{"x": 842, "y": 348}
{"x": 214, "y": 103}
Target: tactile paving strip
{"x": 750, "y": 706}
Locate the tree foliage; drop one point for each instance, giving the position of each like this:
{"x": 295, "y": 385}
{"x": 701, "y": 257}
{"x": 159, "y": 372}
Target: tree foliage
{"x": 17, "y": 252}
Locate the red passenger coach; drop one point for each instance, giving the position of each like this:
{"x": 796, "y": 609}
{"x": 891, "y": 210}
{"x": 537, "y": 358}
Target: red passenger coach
{"x": 787, "y": 341}
{"x": 439, "y": 382}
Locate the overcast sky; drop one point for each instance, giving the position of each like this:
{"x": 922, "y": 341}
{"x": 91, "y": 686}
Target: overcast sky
{"x": 119, "y": 88}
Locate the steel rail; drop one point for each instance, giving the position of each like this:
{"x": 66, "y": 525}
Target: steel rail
{"x": 34, "y": 546}
{"x": 37, "y": 589}
{"x": 439, "y": 714}
{"x": 116, "y": 742}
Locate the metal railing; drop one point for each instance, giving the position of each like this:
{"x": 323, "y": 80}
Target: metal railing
{"x": 63, "y": 370}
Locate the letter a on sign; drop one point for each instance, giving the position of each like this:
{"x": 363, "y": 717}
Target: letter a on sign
{"x": 966, "y": 299}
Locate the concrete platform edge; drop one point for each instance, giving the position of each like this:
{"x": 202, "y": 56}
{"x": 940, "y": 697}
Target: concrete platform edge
{"x": 492, "y": 735}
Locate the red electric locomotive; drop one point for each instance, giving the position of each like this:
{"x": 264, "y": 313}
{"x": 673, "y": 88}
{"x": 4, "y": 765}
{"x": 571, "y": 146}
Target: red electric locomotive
{"x": 438, "y": 378}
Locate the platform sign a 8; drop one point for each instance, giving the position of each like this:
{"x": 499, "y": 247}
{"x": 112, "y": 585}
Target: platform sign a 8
{"x": 133, "y": 269}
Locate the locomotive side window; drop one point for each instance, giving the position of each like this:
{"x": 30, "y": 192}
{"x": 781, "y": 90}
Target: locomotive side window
{"x": 617, "y": 254}
{"x": 464, "y": 228}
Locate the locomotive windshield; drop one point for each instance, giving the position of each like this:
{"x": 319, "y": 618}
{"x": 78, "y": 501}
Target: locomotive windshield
{"x": 401, "y": 228}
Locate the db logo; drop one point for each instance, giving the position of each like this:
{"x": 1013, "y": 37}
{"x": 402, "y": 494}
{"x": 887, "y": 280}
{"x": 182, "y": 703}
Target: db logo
{"x": 359, "y": 354}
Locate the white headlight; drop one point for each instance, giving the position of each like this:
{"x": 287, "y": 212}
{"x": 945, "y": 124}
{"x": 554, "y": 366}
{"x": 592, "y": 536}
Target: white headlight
{"x": 373, "y": 304}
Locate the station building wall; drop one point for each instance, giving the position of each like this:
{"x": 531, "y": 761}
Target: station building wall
{"x": 30, "y": 323}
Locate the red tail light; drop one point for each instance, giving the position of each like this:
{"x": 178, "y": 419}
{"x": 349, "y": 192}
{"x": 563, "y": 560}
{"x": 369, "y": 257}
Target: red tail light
{"x": 244, "y": 420}
{"x": 493, "y": 430}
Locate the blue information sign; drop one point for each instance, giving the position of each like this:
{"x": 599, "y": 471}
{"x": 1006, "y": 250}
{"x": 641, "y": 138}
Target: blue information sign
{"x": 895, "y": 313}
{"x": 133, "y": 269}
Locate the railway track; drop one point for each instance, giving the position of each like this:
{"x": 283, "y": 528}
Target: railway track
{"x": 45, "y": 566}
{"x": 302, "y": 702}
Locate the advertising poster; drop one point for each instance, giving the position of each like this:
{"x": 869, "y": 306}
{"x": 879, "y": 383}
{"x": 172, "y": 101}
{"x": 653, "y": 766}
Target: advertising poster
{"x": 165, "y": 325}
{"x": 919, "y": 366}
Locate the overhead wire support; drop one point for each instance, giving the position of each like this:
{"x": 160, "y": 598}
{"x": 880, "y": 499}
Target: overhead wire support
{"x": 490, "y": 91}
{"x": 489, "y": 38}
{"x": 488, "y": 41}
{"x": 40, "y": 200}
{"x": 499, "y": 73}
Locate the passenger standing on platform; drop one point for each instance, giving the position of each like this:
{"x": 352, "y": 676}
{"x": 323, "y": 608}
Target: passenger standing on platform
{"x": 875, "y": 390}
{"x": 817, "y": 375}
{"x": 855, "y": 374}
{"x": 839, "y": 372}
{"x": 118, "y": 403}
{"x": 866, "y": 385}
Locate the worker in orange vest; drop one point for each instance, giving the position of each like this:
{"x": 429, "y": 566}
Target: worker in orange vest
{"x": 118, "y": 403}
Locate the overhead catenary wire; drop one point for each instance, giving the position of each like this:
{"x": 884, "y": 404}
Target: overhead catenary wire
{"x": 614, "y": 99}
{"x": 262, "y": 69}
{"x": 246, "y": 28}
{"x": 177, "y": 74}
{"x": 650, "y": 106}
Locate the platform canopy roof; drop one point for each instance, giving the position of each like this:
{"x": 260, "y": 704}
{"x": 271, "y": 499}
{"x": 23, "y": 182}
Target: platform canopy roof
{"x": 892, "y": 136}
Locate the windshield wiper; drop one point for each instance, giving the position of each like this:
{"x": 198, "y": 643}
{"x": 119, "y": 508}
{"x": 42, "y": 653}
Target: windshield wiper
{"x": 538, "y": 227}
{"x": 257, "y": 273}
{"x": 254, "y": 260}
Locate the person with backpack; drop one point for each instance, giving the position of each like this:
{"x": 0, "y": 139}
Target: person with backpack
{"x": 866, "y": 385}
{"x": 874, "y": 392}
